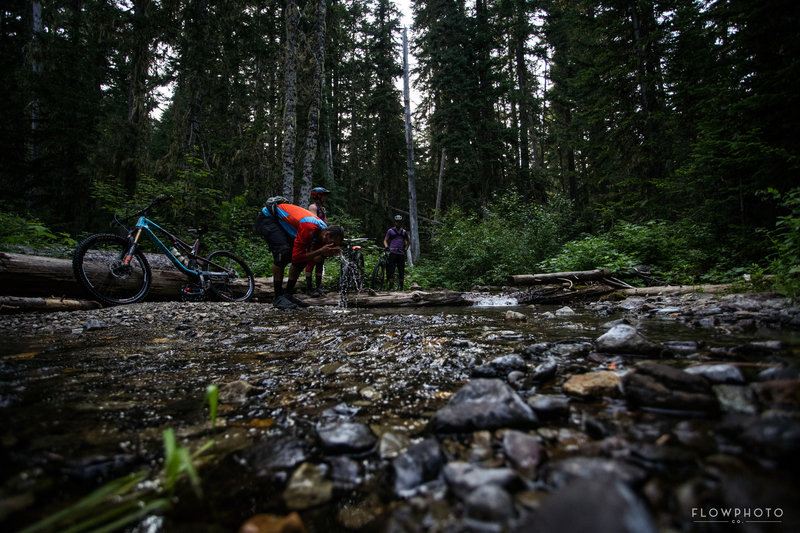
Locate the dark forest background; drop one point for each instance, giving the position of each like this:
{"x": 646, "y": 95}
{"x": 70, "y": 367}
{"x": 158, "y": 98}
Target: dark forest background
{"x": 566, "y": 134}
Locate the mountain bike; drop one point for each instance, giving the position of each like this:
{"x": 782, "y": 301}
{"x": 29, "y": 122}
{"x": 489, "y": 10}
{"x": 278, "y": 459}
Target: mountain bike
{"x": 352, "y": 274}
{"x": 114, "y": 269}
{"x": 378, "y": 280}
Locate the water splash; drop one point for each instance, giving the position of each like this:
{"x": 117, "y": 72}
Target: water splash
{"x": 490, "y": 300}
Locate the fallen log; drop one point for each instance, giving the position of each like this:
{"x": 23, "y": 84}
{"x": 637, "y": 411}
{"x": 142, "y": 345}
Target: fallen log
{"x": 16, "y": 304}
{"x": 35, "y": 275}
{"x": 557, "y": 294}
{"x": 556, "y": 277}
{"x": 676, "y": 289}
{"x": 370, "y": 298}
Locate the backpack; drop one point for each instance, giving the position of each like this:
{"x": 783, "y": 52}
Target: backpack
{"x": 272, "y": 204}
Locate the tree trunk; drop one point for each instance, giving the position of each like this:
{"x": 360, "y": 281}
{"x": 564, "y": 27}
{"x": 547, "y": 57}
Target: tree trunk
{"x": 556, "y": 277}
{"x": 290, "y": 111}
{"x": 313, "y": 114}
{"x": 438, "y": 210}
{"x": 412, "y": 184}
{"x": 12, "y": 304}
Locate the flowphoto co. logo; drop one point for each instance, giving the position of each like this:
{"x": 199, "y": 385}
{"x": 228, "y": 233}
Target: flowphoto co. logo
{"x": 738, "y": 515}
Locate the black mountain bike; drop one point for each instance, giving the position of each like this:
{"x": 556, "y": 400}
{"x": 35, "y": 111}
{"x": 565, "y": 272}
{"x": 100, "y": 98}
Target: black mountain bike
{"x": 378, "y": 280}
{"x": 114, "y": 269}
{"x": 352, "y": 274}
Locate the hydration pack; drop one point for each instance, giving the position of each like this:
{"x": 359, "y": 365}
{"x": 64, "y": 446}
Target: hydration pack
{"x": 272, "y": 204}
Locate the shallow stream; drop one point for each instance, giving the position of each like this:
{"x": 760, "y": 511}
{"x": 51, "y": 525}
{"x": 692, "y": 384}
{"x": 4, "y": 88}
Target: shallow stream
{"x": 85, "y": 397}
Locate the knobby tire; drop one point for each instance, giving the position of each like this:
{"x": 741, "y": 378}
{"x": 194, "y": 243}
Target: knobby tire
{"x": 234, "y": 289}
{"x": 97, "y": 265}
{"x": 378, "y": 280}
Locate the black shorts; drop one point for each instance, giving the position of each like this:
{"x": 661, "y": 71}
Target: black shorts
{"x": 279, "y": 241}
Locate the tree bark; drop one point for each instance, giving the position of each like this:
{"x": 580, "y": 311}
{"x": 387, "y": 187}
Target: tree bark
{"x": 313, "y": 113}
{"x": 290, "y": 109}
{"x": 583, "y": 275}
{"x": 412, "y": 183}
{"x": 12, "y": 304}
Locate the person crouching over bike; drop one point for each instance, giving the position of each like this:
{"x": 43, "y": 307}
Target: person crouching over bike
{"x": 398, "y": 241}
{"x": 294, "y": 236}
{"x": 319, "y": 196}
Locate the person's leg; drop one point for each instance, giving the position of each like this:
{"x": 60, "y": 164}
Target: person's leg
{"x": 390, "y": 272}
{"x": 294, "y": 273}
{"x": 401, "y": 272}
{"x": 280, "y": 245}
{"x": 309, "y": 283}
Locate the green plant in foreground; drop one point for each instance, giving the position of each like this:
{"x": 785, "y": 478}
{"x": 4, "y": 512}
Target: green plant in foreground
{"x": 131, "y": 498}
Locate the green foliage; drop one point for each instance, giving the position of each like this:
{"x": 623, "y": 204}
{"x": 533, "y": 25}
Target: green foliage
{"x": 674, "y": 252}
{"x": 513, "y": 236}
{"x": 786, "y": 241}
{"x": 126, "y": 500}
{"x": 17, "y": 232}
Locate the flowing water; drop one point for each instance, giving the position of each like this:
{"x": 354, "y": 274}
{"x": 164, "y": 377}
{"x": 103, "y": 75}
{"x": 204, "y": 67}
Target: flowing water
{"x": 85, "y": 397}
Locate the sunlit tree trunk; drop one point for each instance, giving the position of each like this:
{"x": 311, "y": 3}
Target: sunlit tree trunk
{"x": 313, "y": 114}
{"x": 290, "y": 109}
{"x": 412, "y": 183}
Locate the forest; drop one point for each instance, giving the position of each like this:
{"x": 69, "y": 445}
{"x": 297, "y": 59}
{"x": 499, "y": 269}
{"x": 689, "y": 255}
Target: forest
{"x": 546, "y": 135}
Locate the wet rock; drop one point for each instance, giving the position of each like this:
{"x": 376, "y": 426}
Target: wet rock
{"x": 308, "y": 487}
{"x": 781, "y": 394}
{"x": 549, "y": 406}
{"x": 422, "y": 462}
{"x": 718, "y": 373}
{"x": 652, "y": 385}
{"x": 545, "y": 371}
{"x": 392, "y": 444}
{"x": 535, "y": 350}
{"x": 345, "y": 437}
{"x": 500, "y": 366}
{"x": 524, "y": 452}
{"x": 736, "y": 398}
{"x": 237, "y": 391}
{"x": 345, "y": 472}
{"x": 565, "y": 311}
{"x": 481, "y": 448}
{"x": 682, "y": 347}
{"x": 626, "y": 339}
{"x": 516, "y": 378}
{"x": 779, "y": 372}
{"x": 775, "y": 437}
{"x": 593, "y": 385}
{"x": 267, "y": 523}
{"x": 490, "y": 506}
{"x": 572, "y": 349}
{"x": 592, "y": 506}
{"x": 341, "y": 411}
{"x": 94, "y": 325}
{"x": 565, "y": 471}
{"x": 278, "y": 454}
{"x": 514, "y": 316}
{"x": 463, "y": 478}
{"x": 483, "y": 404}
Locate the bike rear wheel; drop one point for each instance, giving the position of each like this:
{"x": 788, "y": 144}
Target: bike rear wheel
{"x": 378, "y": 280}
{"x": 239, "y": 283}
{"x": 99, "y": 266}
{"x": 360, "y": 274}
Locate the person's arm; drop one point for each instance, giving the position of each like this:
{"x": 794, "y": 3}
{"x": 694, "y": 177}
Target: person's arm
{"x": 386, "y": 239}
{"x": 302, "y": 251}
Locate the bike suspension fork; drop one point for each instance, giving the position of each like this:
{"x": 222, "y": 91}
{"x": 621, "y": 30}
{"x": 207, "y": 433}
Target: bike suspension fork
{"x": 132, "y": 248}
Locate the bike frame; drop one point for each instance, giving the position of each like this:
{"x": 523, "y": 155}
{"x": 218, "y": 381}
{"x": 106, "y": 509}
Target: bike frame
{"x": 146, "y": 226}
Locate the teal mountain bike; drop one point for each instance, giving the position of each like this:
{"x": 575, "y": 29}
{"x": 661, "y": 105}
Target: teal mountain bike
{"x": 114, "y": 269}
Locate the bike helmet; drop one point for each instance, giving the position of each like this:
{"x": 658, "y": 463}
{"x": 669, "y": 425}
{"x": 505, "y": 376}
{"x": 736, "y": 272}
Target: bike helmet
{"x": 398, "y": 218}
{"x": 316, "y": 191}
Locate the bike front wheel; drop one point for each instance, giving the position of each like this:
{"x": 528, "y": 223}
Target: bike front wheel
{"x": 100, "y": 266}
{"x": 233, "y": 282}
{"x": 378, "y": 280}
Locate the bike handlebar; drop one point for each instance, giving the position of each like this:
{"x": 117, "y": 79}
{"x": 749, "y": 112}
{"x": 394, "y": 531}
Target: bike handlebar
{"x": 157, "y": 200}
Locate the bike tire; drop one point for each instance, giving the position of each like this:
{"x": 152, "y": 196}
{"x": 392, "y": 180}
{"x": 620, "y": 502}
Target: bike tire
{"x": 97, "y": 265}
{"x": 361, "y": 276}
{"x": 378, "y": 280}
{"x": 233, "y": 289}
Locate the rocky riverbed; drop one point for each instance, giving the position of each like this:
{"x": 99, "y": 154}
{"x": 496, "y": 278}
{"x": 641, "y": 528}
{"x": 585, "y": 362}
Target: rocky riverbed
{"x": 642, "y": 414}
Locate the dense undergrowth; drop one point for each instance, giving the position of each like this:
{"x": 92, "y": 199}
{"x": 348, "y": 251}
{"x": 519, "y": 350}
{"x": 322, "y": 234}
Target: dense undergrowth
{"x": 513, "y": 236}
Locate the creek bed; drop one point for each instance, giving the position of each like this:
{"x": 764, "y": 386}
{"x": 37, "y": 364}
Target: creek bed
{"x": 339, "y": 414}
